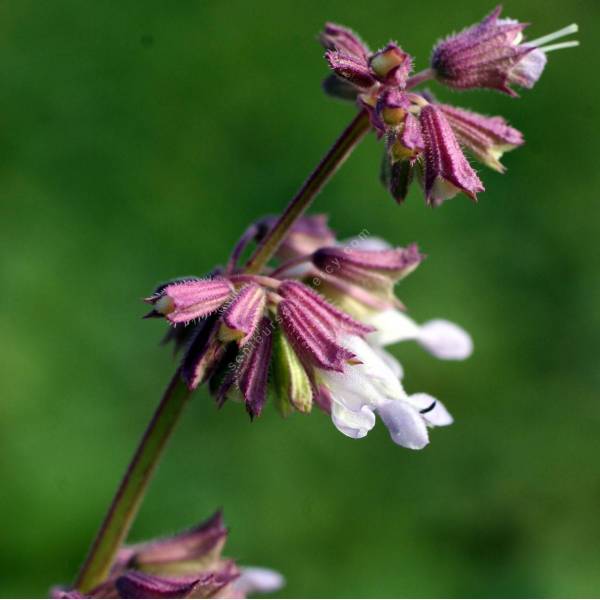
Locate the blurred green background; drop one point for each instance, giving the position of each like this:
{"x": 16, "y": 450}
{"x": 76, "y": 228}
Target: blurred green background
{"x": 137, "y": 140}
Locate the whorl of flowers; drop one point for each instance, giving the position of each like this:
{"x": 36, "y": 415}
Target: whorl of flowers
{"x": 311, "y": 331}
{"x": 425, "y": 139}
{"x": 186, "y": 565}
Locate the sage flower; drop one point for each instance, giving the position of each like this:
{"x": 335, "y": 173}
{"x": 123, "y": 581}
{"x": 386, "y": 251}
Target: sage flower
{"x": 186, "y": 565}
{"x": 312, "y": 330}
{"x": 425, "y": 140}
{"x": 493, "y": 54}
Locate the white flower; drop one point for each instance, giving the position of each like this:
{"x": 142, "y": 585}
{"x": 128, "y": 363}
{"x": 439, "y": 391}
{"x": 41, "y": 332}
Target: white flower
{"x": 257, "y": 579}
{"x": 442, "y": 339}
{"x": 371, "y": 387}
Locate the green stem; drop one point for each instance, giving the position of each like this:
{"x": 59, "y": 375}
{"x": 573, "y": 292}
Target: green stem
{"x": 330, "y": 163}
{"x": 128, "y": 498}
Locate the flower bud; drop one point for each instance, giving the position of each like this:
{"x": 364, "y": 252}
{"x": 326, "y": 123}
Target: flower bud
{"x": 396, "y": 176}
{"x": 350, "y": 69}
{"x": 291, "y": 383}
{"x": 342, "y": 39}
{"x": 186, "y": 565}
{"x": 408, "y": 143}
{"x": 184, "y": 301}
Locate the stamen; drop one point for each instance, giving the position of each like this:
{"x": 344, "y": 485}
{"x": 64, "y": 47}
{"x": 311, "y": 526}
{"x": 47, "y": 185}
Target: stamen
{"x": 560, "y": 46}
{"x": 429, "y": 408}
{"x": 573, "y": 28}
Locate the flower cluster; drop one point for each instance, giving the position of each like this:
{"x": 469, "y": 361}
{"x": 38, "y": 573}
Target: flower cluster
{"x": 311, "y": 331}
{"x": 425, "y": 139}
{"x": 186, "y": 565}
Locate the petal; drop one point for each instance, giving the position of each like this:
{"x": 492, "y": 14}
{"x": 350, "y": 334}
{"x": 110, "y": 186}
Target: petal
{"x": 445, "y": 340}
{"x": 391, "y": 326}
{"x": 406, "y": 426}
{"x": 391, "y": 361}
{"x": 258, "y": 579}
{"x": 351, "y": 389}
{"x": 367, "y": 243}
{"x": 372, "y": 369}
{"x": 529, "y": 69}
{"x": 354, "y": 424}
{"x": 431, "y": 409}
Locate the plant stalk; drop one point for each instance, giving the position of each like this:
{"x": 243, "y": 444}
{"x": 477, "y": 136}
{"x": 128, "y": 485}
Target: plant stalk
{"x": 134, "y": 484}
{"x": 330, "y": 163}
{"x": 127, "y": 500}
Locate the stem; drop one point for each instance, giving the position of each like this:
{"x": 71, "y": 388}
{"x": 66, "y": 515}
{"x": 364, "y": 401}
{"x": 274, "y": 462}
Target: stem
{"x": 338, "y": 153}
{"x": 330, "y": 163}
{"x": 419, "y": 78}
{"x": 128, "y": 498}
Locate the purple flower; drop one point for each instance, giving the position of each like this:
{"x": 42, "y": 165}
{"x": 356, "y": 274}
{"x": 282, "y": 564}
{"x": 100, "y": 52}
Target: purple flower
{"x": 254, "y": 372}
{"x": 243, "y": 315}
{"x": 231, "y": 346}
{"x": 351, "y": 60}
{"x": 186, "y": 300}
{"x": 492, "y": 54}
{"x": 186, "y": 565}
{"x": 446, "y": 170}
{"x": 310, "y": 331}
{"x": 419, "y": 140}
{"x": 362, "y": 74}
{"x": 375, "y": 270}
{"x": 487, "y": 138}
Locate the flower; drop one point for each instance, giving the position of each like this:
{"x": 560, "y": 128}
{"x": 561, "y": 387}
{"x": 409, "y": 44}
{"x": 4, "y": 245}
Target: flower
{"x": 487, "y": 138}
{"x": 425, "y": 139}
{"x": 439, "y": 337}
{"x": 492, "y": 54}
{"x": 351, "y": 60}
{"x": 238, "y": 315}
{"x": 366, "y": 76}
{"x": 371, "y": 387}
{"x": 311, "y": 330}
{"x": 446, "y": 170}
{"x": 186, "y": 565}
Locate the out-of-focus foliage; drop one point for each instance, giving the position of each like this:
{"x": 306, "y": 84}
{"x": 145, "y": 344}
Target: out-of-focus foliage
{"x": 137, "y": 140}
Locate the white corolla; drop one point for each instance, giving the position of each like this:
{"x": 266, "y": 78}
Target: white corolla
{"x": 371, "y": 387}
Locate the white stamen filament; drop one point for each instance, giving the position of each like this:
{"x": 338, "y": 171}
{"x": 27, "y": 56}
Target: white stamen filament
{"x": 573, "y": 28}
{"x": 552, "y": 47}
